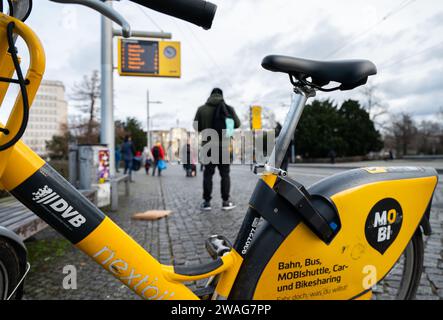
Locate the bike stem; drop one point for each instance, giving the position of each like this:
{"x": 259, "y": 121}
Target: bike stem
{"x": 299, "y": 99}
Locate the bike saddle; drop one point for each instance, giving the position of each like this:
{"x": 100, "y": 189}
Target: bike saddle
{"x": 349, "y": 73}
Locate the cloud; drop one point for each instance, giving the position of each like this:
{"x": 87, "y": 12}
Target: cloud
{"x": 229, "y": 55}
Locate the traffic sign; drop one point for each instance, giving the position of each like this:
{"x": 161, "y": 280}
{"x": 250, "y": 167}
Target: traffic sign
{"x": 149, "y": 58}
{"x": 256, "y": 118}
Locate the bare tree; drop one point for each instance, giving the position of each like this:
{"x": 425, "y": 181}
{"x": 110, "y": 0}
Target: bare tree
{"x": 404, "y": 131}
{"x": 87, "y": 93}
{"x": 429, "y": 137}
{"x": 374, "y": 105}
{"x": 84, "y": 132}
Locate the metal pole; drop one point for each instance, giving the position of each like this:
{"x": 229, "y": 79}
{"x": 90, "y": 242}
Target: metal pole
{"x": 150, "y": 145}
{"x": 148, "y": 128}
{"x": 144, "y": 34}
{"x": 107, "y": 133}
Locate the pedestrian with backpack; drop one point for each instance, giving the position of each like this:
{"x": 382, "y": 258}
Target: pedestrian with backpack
{"x": 217, "y": 115}
{"x": 159, "y": 157}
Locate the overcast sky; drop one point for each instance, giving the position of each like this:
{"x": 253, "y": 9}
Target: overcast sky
{"x": 402, "y": 37}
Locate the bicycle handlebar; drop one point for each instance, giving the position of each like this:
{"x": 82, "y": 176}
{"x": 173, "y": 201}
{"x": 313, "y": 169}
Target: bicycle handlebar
{"x": 198, "y": 12}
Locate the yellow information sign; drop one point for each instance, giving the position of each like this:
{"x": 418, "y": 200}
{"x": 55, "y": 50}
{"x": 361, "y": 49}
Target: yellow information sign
{"x": 256, "y": 112}
{"x": 149, "y": 58}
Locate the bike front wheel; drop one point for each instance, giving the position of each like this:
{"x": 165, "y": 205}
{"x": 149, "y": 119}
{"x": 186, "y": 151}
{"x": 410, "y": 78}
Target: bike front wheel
{"x": 9, "y": 269}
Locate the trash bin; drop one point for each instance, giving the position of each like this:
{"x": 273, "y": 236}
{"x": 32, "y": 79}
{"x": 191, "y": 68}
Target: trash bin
{"x": 93, "y": 165}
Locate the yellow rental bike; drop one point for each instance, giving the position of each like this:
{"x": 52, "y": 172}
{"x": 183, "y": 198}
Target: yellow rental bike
{"x": 334, "y": 240}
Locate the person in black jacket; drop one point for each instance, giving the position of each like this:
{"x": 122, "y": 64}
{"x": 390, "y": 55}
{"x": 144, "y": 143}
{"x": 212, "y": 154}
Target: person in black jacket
{"x": 128, "y": 153}
{"x": 209, "y": 116}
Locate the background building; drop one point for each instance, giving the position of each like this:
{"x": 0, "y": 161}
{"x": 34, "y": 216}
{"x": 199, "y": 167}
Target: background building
{"x": 48, "y": 115}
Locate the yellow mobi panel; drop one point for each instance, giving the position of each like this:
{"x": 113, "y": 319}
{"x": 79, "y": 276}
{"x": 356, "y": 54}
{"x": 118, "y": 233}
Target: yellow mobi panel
{"x": 377, "y": 221}
{"x": 119, "y": 254}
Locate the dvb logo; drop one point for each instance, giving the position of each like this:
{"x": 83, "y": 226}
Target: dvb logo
{"x": 383, "y": 224}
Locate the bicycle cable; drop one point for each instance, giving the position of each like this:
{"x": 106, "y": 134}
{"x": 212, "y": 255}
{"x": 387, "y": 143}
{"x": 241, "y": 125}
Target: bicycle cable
{"x": 302, "y": 82}
{"x": 22, "y": 83}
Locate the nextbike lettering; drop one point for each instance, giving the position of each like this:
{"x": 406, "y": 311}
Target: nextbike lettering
{"x": 144, "y": 285}
{"x": 46, "y": 196}
{"x": 250, "y": 236}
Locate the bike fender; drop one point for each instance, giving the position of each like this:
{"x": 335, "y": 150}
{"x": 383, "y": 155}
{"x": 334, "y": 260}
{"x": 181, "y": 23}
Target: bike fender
{"x": 13, "y": 238}
{"x": 424, "y": 223}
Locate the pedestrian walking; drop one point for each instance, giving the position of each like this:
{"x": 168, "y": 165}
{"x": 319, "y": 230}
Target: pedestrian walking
{"x": 118, "y": 158}
{"x": 148, "y": 159}
{"x": 159, "y": 155}
{"x": 128, "y": 152}
{"x": 217, "y": 115}
{"x": 332, "y": 155}
{"x": 190, "y": 160}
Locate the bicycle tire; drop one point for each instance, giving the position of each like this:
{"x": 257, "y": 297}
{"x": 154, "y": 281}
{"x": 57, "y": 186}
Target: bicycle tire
{"x": 9, "y": 269}
{"x": 413, "y": 268}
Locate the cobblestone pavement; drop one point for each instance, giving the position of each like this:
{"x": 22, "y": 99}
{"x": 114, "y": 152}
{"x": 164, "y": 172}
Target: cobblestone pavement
{"x": 179, "y": 239}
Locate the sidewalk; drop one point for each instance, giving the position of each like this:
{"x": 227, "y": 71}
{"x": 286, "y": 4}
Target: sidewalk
{"x": 437, "y": 164}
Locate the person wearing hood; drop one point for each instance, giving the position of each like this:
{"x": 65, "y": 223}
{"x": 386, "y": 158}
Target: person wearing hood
{"x": 207, "y": 118}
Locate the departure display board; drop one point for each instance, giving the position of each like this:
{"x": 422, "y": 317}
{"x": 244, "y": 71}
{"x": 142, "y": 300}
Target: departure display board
{"x": 149, "y": 58}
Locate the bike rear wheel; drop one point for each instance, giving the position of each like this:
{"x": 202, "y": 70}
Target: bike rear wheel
{"x": 403, "y": 280}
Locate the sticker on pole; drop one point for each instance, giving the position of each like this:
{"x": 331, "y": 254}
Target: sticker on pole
{"x": 383, "y": 224}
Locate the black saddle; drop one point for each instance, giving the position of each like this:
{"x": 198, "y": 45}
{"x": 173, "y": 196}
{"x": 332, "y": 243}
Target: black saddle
{"x": 349, "y": 73}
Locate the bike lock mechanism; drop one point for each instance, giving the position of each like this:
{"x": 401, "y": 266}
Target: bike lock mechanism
{"x": 288, "y": 203}
{"x": 105, "y": 10}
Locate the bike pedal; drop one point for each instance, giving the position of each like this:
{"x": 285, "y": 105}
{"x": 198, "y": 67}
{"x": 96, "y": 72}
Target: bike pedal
{"x": 217, "y": 246}
{"x": 204, "y": 293}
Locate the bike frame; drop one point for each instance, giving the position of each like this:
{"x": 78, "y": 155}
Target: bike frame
{"x": 34, "y": 183}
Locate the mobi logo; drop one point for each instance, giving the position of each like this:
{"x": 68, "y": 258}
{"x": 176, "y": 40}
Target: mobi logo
{"x": 47, "y": 197}
{"x": 383, "y": 224}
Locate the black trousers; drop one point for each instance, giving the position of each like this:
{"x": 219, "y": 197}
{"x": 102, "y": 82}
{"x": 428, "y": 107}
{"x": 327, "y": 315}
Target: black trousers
{"x": 155, "y": 166}
{"x": 208, "y": 173}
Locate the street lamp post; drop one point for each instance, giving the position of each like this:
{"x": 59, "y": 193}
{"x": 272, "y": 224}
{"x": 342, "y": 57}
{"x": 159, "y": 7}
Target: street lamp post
{"x": 148, "y": 128}
{"x": 107, "y": 134}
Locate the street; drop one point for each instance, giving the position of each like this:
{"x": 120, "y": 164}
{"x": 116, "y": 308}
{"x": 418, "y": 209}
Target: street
{"x": 180, "y": 238}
